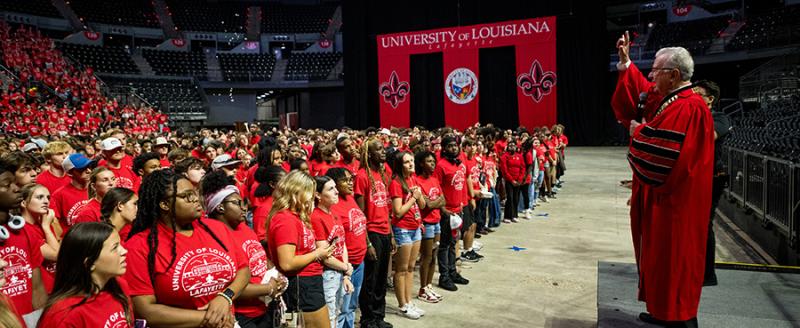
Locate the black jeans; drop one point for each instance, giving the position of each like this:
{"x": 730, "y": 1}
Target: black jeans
{"x": 372, "y": 300}
{"x": 446, "y": 253}
{"x": 512, "y": 200}
{"x": 710, "y": 276}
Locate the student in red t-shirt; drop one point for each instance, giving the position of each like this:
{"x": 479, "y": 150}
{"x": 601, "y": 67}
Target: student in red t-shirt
{"x": 118, "y": 208}
{"x": 512, "y": 165}
{"x": 20, "y": 254}
{"x": 87, "y": 290}
{"x": 22, "y": 165}
{"x": 452, "y": 174}
{"x": 169, "y": 242}
{"x": 292, "y": 246}
{"x": 425, "y": 164}
{"x": 192, "y": 169}
{"x": 349, "y": 153}
{"x": 100, "y": 182}
{"x": 113, "y": 152}
{"x": 68, "y": 201}
{"x": 223, "y": 203}
{"x": 407, "y": 199}
{"x": 267, "y": 179}
{"x": 329, "y": 230}
{"x": 371, "y": 194}
{"x": 54, "y": 177}
{"x": 45, "y": 232}
{"x": 146, "y": 163}
{"x": 354, "y": 224}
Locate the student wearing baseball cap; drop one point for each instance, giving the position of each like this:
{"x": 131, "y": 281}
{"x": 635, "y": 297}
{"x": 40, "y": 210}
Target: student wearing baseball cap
{"x": 113, "y": 153}
{"x": 226, "y": 163}
{"x": 68, "y": 200}
{"x": 162, "y": 148}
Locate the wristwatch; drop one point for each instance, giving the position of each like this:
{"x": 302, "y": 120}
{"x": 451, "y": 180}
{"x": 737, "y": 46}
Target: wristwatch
{"x": 229, "y": 293}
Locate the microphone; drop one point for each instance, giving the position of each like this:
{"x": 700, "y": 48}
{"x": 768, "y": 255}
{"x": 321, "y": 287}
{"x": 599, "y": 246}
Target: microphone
{"x": 642, "y": 100}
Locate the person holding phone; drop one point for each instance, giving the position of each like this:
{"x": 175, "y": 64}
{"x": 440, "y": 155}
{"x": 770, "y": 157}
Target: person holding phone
{"x": 329, "y": 231}
{"x": 292, "y": 246}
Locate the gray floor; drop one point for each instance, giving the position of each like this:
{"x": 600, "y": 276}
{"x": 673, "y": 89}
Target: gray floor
{"x": 553, "y": 283}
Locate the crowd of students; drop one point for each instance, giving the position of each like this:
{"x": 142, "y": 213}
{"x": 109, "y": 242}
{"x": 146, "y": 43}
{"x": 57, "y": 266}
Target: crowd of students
{"x": 107, "y": 218}
{"x": 199, "y": 232}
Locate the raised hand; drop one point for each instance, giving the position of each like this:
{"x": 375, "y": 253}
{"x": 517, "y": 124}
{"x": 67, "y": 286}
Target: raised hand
{"x": 624, "y": 48}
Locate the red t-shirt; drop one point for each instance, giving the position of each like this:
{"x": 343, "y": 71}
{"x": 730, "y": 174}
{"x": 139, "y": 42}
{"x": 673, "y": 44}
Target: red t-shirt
{"x": 102, "y": 310}
{"x": 23, "y": 255}
{"x": 48, "y": 268}
{"x": 201, "y": 270}
{"x": 319, "y": 168}
{"x": 453, "y": 180}
{"x": 376, "y": 200}
{"x": 474, "y": 173}
{"x": 430, "y": 187}
{"x": 412, "y": 219}
{"x": 513, "y": 167}
{"x": 263, "y": 206}
{"x": 326, "y": 226}
{"x": 287, "y": 228}
{"x": 355, "y": 228}
{"x": 258, "y": 264}
{"x": 90, "y": 212}
{"x": 353, "y": 166}
{"x": 52, "y": 182}
{"x": 126, "y": 178}
{"x": 540, "y": 156}
{"x": 489, "y": 169}
{"x": 67, "y": 202}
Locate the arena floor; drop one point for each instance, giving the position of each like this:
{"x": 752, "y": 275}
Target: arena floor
{"x": 553, "y": 281}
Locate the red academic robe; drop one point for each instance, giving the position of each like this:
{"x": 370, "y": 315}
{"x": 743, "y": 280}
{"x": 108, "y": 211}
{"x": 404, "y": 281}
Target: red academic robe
{"x": 672, "y": 159}
{"x": 630, "y": 84}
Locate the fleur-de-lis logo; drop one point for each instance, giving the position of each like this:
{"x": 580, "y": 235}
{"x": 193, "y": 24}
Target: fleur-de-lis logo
{"x": 395, "y": 91}
{"x": 536, "y": 83}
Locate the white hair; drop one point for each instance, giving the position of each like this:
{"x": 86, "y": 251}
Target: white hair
{"x": 679, "y": 58}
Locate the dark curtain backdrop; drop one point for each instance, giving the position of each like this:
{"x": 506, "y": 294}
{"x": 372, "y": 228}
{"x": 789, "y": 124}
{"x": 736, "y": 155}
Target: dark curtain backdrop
{"x": 427, "y": 102}
{"x": 497, "y": 87}
{"x": 583, "y": 99}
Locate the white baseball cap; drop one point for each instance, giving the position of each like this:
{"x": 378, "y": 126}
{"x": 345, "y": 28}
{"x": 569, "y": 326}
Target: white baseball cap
{"x": 223, "y": 161}
{"x": 110, "y": 143}
{"x": 161, "y": 141}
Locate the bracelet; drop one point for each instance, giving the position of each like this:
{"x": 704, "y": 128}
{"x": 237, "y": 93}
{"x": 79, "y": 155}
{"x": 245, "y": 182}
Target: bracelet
{"x": 230, "y": 301}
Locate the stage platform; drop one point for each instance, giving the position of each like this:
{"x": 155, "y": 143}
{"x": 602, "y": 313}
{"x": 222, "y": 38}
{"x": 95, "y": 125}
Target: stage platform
{"x": 745, "y": 297}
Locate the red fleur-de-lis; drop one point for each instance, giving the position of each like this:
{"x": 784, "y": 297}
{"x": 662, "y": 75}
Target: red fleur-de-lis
{"x": 394, "y": 91}
{"x": 536, "y": 83}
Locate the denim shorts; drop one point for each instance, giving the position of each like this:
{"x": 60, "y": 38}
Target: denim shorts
{"x": 431, "y": 230}
{"x": 406, "y": 237}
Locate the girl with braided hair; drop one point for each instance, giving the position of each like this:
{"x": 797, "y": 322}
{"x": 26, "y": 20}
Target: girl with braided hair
{"x": 292, "y": 246}
{"x": 185, "y": 271}
{"x": 225, "y": 204}
{"x": 371, "y": 195}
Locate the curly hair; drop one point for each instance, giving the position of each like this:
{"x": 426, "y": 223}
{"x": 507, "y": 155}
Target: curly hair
{"x": 267, "y": 177}
{"x": 157, "y": 187}
{"x": 214, "y": 182}
{"x": 295, "y": 193}
{"x": 141, "y": 160}
{"x": 365, "y": 161}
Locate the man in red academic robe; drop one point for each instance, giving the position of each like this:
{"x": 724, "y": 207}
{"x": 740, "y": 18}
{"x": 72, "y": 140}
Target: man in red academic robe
{"x": 671, "y": 155}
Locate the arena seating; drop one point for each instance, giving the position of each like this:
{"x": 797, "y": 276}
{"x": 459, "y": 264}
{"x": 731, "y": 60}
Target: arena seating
{"x": 177, "y": 63}
{"x": 277, "y": 18}
{"x": 129, "y": 12}
{"x": 311, "y": 66}
{"x": 696, "y": 36}
{"x": 34, "y": 7}
{"x": 246, "y": 67}
{"x": 773, "y": 130}
{"x": 107, "y": 59}
{"x": 228, "y": 17}
{"x": 777, "y": 27}
{"x": 173, "y": 96}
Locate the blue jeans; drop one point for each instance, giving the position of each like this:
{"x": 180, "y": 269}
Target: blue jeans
{"x": 494, "y": 209}
{"x": 538, "y": 184}
{"x": 332, "y": 285}
{"x": 480, "y": 212}
{"x": 347, "y": 314}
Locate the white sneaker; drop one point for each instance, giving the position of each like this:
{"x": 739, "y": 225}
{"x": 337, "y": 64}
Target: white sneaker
{"x": 416, "y": 309}
{"x": 429, "y": 290}
{"x": 476, "y": 246}
{"x": 408, "y": 312}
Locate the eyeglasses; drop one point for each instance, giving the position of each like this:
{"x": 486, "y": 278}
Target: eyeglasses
{"x": 189, "y": 196}
{"x": 662, "y": 68}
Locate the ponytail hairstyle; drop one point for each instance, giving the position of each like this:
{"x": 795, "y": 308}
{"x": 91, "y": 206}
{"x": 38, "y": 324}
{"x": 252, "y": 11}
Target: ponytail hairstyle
{"x": 295, "y": 193}
{"x": 267, "y": 178}
{"x": 365, "y": 161}
{"x": 160, "y": 186}
{"x": 112, "y": 199}
{"x": 80, "y": 249}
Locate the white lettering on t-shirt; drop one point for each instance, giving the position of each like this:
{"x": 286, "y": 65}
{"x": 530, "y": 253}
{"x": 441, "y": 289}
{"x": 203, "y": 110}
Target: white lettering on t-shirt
{"x": 18, "y": 272}
{"x": 256, "y": 257}
{"x": 203, "y": 272}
